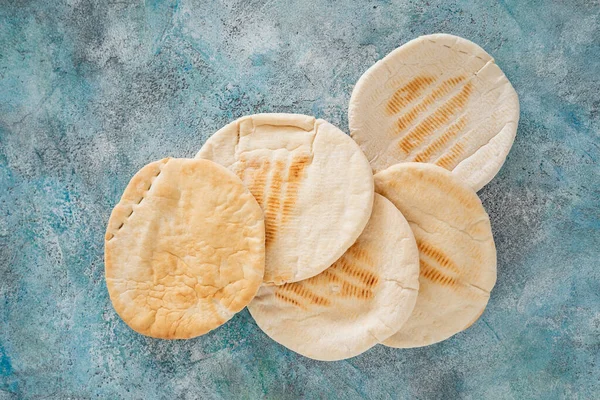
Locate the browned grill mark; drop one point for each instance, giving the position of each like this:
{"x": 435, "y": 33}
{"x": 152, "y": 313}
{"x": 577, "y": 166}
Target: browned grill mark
{"x": 350, "y": 290}
{"x": 259, "y": 179}
{"x": 273, "y": 203}
{"x": 361, "y": 288}
{"x": 463, "y": 196}
{"x": 277, "y": 210}
{"x": 240, "y": 168}
{"x": 360, "y": 253}
{"x": 437, "y": 255}
{"x": 288, "y": 299}
{"x": 347, "y": 289}
{"x": 436, "y": 120}
{"x": 301, "y": 291}
{"x": 408, "y": 93}
{"x": 450, "y": 159}
{"x": 254, "y": 174}
{"x": 255, "y": 162}
{"x": 439, "y": 143}
{"x": 294, "y": 178}
{"x": 365, "y": 277}
{"x": 434, "y": 275}
{"x": 329, "y": 276}
{"x": 442, "y": 90}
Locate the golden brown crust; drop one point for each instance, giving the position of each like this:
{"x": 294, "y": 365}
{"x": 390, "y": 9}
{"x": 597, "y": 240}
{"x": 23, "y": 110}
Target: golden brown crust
{"x": 184, "y": 249}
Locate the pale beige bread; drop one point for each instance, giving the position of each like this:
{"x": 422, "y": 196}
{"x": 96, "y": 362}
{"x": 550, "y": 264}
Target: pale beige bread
{"x": 184, "y": 248}
{"x": 456, "y": 249}
{"x": 313, "y": 182}
{"x": 361, "y": 300}
{"x": 438, "y": 99}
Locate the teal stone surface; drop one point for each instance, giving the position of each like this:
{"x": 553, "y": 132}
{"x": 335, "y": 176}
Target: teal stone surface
{"x": 92, "y": 91}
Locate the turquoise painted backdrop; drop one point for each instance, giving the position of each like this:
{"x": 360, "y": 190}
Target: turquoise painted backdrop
{"x": 92, "y": 91}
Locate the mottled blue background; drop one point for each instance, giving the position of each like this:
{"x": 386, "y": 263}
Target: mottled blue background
{"x": 90, "y": 92}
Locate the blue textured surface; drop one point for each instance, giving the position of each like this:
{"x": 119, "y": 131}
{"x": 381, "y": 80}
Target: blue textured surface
{"x": 91, "y": 92}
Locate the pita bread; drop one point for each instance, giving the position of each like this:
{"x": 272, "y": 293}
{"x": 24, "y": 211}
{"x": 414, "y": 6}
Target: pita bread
{"x": 456, "y": 249}
{"x": 359, "y": 301}
{"x": 438, "y": 99}
{"x": 184, "y": 249}
{"x": 312, "y": 180}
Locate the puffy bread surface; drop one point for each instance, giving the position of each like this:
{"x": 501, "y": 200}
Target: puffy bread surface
{"x": 438, "y": 99}
{"x": 312, "y": 180}
{"x": 184, "y": 249}
{"x": 361, "y": 300}
{"x": 456, "y": 250}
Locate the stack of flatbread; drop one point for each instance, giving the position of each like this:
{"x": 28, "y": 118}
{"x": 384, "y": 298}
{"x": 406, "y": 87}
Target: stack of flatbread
{"x": 335, "y": 243}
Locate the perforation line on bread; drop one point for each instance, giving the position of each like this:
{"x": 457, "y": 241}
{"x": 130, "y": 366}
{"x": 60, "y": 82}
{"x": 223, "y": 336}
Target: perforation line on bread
{"x": 460, "y": 51}
{"x": 139, "y": 201}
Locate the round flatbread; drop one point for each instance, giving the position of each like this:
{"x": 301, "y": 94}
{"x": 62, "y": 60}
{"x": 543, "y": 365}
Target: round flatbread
{"x": 456, "y": 250}
{"x": 312, "y": 180}
{"x": 438, "y": 99}
{"x": 359, "y": 301}
{"x": 184, "y": 249}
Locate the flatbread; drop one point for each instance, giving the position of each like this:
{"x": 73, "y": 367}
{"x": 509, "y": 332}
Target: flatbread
{"x": 456, "y": 249}
{"x": 438, "y": 99}
{"x": 184, "y": 249}
{"x": 359, "y": 301}
{"x": 312, "y": 180}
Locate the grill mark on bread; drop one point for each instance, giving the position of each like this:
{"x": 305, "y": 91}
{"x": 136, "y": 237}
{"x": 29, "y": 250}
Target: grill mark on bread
{"x": 240, "y": 170}
{"x": 361, "y": 290}
{"x": 259, "y": 179}
{"x": 465, "y": 198}
{"x": 407, "y": 93}
{"x": 438, "y": 144}
{"x": 331, "y": 276}
{"x": 273, "y": 202}
{"x": 436, "y": 120}
{"x": 351, "y": 290}
{"x": 361, "y": 254}
{"x": 442, "y": 90}
{"x": 366, "y": 277}
{"x": 267, "y": 180}
{"x": 437, "y": 255}
{"x": 254, "y": 174}
{"x": 450, "y": 159}
{"x": 288, "y": 299}
{"x": 348, "y": 273}
{"x": 301, "y": 291}
{"x": 356, "y": 264}
{"x": 430, "y": 272}
{"x": 294, "y": 177}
